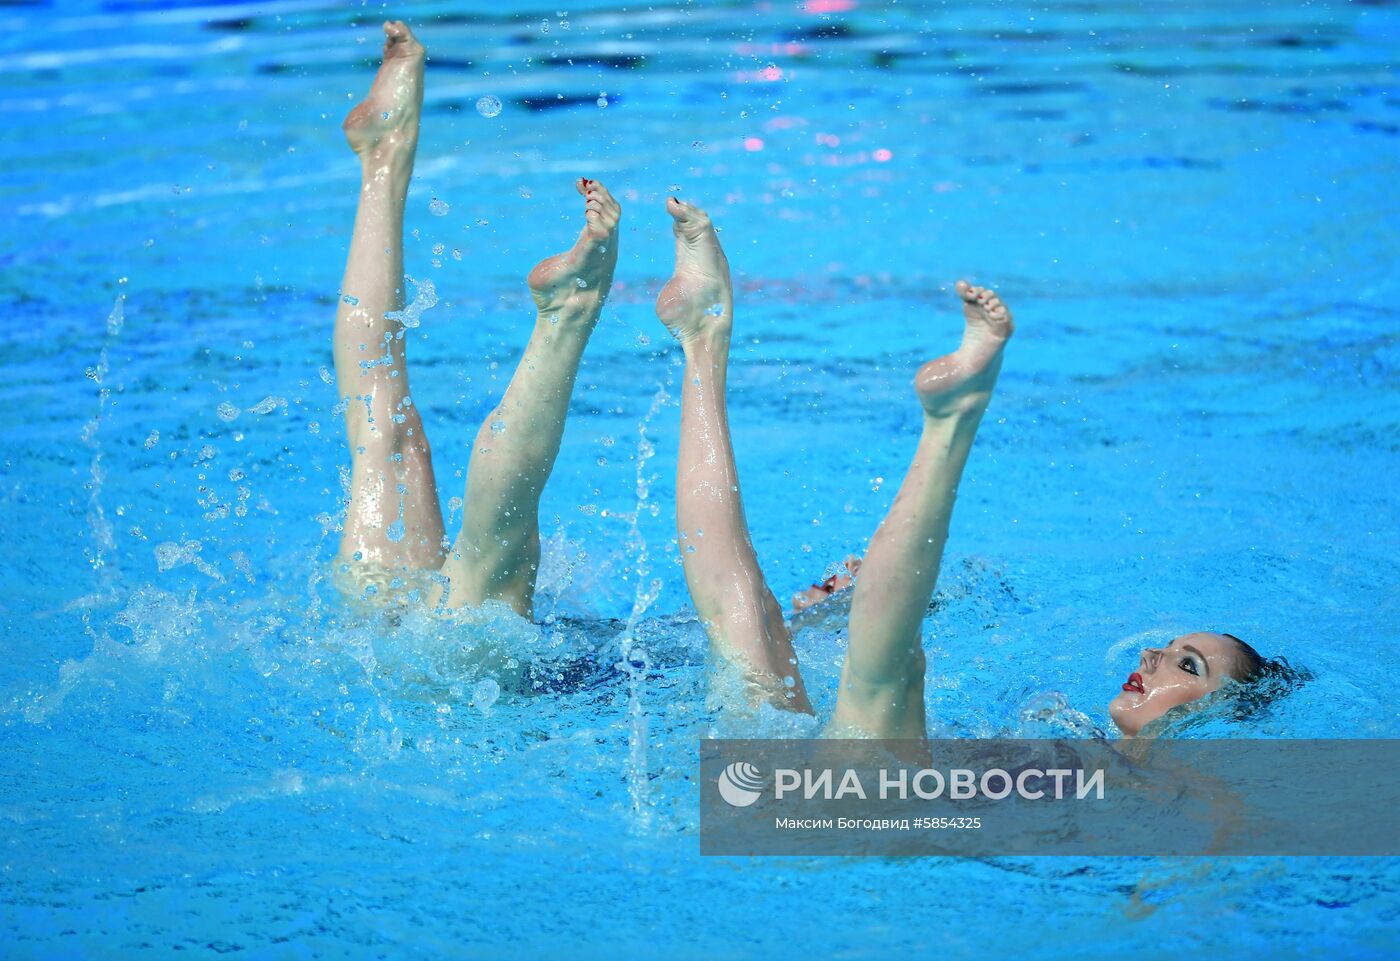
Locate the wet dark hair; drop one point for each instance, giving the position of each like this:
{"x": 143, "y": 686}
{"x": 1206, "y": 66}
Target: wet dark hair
{"x": 1261, "y": 680}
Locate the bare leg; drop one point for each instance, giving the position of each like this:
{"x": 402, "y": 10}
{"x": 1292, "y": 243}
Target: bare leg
{"x": 740, "y": 614}
{"x": 882, "y": 683}
{"x": 498, "y": 550}
{"x": 393, "y": 518}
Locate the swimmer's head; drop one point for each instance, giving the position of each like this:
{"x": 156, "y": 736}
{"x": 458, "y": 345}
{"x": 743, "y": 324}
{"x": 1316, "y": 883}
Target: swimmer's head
{"x": 1185, "y": 670}
{"x": 818, "y": 592}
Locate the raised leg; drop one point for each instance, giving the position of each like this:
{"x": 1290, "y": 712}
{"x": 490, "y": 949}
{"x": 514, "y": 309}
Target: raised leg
{"x": 393, "y": 519}
{"x": 740, "y": 614}
{"x": 497, "y": 552}
{"x": 882, "y": 682}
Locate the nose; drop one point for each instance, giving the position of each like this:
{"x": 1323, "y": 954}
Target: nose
{"x": 1150, "y": 657}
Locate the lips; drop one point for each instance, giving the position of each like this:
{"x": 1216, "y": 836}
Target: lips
{"x": 1134, "y": 683}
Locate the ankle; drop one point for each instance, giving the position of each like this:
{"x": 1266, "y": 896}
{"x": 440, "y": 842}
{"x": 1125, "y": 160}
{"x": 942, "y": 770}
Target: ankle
{"x": 957, "y": 422}
{"x": 568, "y": 312}
{"x": 387, "y": 163}
{"x": 707, "y": 345}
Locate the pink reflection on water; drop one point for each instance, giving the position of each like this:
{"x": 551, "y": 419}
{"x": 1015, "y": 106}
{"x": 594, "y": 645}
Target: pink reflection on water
{"x": 828, "y": 6}
{"x": 752, "y": 144}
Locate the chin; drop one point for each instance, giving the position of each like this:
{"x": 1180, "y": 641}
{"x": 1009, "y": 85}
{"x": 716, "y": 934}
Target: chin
{"x": 1122, "y": 717}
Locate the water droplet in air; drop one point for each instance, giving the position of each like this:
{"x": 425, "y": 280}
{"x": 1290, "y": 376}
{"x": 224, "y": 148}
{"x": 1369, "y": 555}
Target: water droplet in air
{"x": 498, "y": 426}
{"x": 227, "y": 412}
{"x": 152, "y": 439}
{"x": 439, "y": 248}
{"x": 714, "y": 310}
{"x": 384, "y": 115}
{"x": 437, "y": 208}
{"x": 485, "y": 694}
{"x": 394, "y": 531}
{"x": 581, "y": 282}
{"x": 352, "y": 301}
{"x": 488, "y": 106}
{"x": 525, "y": 193}
{"x": 424, "y": 297}
{"x": 602, "y": 100}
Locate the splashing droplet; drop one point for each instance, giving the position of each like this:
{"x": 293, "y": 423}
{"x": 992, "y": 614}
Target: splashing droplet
{"x": 488, "y": 106}
{"x": 581, "y": 282}
{"x": 438, "y": 208}
{"x": 485, "y": 694}
{"x": 714, "y": 310}
{"x": 498, "y": 427}
{"x": 227, "y": 412}
{"x": 424, "y": 297}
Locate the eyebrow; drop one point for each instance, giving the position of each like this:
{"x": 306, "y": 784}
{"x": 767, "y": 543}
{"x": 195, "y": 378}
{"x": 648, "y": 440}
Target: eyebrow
{"x": 1204, "y": 662}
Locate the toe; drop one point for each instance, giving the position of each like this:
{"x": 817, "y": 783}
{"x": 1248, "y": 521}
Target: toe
{"x": 966, "y": 291}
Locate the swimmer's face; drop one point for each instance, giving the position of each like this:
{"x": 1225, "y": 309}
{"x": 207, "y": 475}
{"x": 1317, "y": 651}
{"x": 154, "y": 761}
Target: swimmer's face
{"x": 1188, "y": 668}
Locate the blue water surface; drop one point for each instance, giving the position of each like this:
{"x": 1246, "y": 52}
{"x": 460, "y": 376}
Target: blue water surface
{"x": 203, "y": 748}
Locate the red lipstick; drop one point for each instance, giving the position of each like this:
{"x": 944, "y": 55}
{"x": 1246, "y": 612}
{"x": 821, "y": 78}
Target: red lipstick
{"x": 1134, "y": 683}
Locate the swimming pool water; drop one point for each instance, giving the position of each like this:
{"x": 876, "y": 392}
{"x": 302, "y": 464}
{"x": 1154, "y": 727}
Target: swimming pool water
{"x": 205, "y": 749}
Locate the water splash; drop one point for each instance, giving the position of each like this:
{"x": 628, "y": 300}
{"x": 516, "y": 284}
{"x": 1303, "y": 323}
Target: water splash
{"x": 104, "y": 540}
{"x": 635, "y": 661}
{"x": 424, "y": 297}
